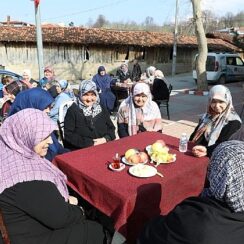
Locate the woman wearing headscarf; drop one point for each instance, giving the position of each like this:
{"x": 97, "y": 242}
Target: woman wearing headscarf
{"x": 103, "y": 83}
{"x": 217, "y": 216}
{"x": 87, "y": 123}
{"x": 150, "y": 73}
{"x": 28, "y": 80}
{"x": 160, "y": 90}
{"x": 138, "y": 113}
{"x": 123, "y": 73}
{"x": 61, "y": 97}
{"x": 217, "y": 124}
{"x": 40, "y": 99}
{"x": 33, "y": 191}
{"x": 48, "y": 76}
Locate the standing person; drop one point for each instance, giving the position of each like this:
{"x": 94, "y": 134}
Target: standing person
{"x": 217, "y": 216}
{"x": 103, "y": 83}
{"x": 217, "y": 124}
{"x": 40, "y": 99}
{"x": 123, "y": 74}
{"x": 138, "y": 113}
{"x": 160, "y": 90}
{"x": 48, "y": 76}
{"x": 136, "y": 71}
{"x": 33, "y": 192}
{"x": 87, "y": 123}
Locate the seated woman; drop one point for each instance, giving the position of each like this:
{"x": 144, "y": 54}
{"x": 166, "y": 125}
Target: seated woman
{"x": 40, "y": 99}
{"x": 61, "y": 97}
{"x": 123, "y": 73}
{"x": 33, "y": 192}
{"x": 87, "y": 123}
{"x": 218, "y": 124}
{"x": 103, "y": 83}
{"x": 217, "y": 216}
{"x": 138, "y": 113}
{"x": 160, "y": 90}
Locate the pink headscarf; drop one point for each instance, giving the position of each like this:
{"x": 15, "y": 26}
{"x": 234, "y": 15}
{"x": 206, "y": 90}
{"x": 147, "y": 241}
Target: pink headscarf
{"x": 19, "y": 161}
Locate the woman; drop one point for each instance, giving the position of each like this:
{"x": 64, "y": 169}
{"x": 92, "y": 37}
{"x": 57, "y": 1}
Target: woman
{"x": 103, "y": 83}
{"x": 217, "y": 217}
{"x": 33, "y": 192}
{"x": 28, "y": 80}
{"x": 218, "y": 124}
{"x": 160, "y": 90}
{"x": 123, "y": 73}
{"x": 87, "y": 123}
{"x": 150, "y": 74}
{"x": 48, "y": 76}
{"x": 61, "y": 97}
{"x": 138, "y": 112}
{"x": 39, "y": 99}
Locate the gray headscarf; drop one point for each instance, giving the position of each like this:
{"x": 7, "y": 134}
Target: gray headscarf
{"x": 89, "y": 86}
{"x": 226, "y": 175}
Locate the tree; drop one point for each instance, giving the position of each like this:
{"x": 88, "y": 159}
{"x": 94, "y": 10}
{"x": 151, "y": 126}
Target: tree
{"x": 100, "y": 22}
{"x": 202, "y": 46}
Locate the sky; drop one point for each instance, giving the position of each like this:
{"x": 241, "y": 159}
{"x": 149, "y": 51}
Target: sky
{"x": 83, "y": 11}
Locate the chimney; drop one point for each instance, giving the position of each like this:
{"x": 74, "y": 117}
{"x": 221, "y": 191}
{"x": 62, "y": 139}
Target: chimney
{"x": 8, "y": 20}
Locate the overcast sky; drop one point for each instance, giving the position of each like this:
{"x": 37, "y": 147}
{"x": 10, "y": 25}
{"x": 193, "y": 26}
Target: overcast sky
{"x": 81, "y": 11}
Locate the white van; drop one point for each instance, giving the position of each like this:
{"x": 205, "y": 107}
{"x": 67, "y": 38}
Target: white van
{"x": 222, "y": 67}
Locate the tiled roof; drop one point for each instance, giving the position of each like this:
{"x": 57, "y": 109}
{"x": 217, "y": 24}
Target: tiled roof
{"x": 78, "y": 35}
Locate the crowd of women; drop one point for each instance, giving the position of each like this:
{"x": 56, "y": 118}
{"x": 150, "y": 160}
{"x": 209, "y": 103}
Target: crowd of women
{"x": 35, "y": 206}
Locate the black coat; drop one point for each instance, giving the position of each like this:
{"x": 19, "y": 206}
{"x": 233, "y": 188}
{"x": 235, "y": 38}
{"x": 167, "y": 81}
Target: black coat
{"x": 136, "y": 72}
{"x": 225, "y": 134}
{"x": 122, "y": 76}
{"x": 160, "y": 90}
{"x": 79, "y": 130}
{"x": 35, "y": 212}
{"x": 196, "y": 221}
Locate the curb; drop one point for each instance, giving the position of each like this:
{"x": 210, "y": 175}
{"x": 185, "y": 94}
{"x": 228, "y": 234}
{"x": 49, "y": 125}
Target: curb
{"x": 197, "y": 93}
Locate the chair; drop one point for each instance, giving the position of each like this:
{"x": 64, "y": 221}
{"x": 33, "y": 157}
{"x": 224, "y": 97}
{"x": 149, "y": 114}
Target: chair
{"x": 61, "y": 115}
{"x": 165, "y": 103}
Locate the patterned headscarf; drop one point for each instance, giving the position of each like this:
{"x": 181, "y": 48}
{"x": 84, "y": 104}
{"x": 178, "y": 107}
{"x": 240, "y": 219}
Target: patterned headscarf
{"x": 226, "y": 175}
{"x": 15, "y": 87}
{"x": 212, "y": 124}
{"x": 148, "y": 112}
{"x": 89, "y": 86}
{"x": 19, "y": 161}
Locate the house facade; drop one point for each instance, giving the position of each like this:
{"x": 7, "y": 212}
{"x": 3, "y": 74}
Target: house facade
{"x": 76, "y": 53}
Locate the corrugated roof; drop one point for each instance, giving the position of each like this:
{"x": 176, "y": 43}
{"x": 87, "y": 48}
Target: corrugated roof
{"x": 79, "y": 35}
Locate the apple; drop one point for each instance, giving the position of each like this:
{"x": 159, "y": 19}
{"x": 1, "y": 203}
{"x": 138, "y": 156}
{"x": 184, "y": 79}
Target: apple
{"x": 129, "y": 153}
{"x": 162, "y": 142}
{"x": 143, "y": 156}
{"x": 135, "y": 159}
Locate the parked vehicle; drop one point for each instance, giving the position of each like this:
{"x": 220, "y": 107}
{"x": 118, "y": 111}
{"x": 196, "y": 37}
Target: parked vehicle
{"x": 9, "y": 73}
{"x": 222, "y": 67}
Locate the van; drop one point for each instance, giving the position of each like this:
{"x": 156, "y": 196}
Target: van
{"x": 222, "y": 67}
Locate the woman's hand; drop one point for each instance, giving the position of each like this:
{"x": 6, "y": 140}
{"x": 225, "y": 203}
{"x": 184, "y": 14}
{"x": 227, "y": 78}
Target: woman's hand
{"x": 99, "y": 141}
{"x": 73, "y": 200}
{"x": 199, "y": 151}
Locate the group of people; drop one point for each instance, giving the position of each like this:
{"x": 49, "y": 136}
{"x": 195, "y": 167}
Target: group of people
{"x": 34, "y": 198}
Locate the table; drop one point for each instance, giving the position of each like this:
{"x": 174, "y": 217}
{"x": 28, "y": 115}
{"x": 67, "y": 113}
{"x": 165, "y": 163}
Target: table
{"x": 128, "y": 200}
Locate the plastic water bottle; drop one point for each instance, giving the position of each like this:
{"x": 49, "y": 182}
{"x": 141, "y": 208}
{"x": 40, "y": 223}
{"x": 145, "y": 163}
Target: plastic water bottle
{"x": 183, "y": 143}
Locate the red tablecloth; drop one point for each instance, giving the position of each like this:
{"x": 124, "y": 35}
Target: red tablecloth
{"x": 132, "y": 201}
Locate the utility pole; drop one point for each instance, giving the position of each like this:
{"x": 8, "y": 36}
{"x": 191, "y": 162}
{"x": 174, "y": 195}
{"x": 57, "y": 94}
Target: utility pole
{"x": 39, "y": 38}
{"x": 175, "y": 39}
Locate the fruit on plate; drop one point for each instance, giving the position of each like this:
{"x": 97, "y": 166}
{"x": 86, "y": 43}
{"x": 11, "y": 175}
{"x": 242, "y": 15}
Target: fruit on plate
{"x": 130, "y": 152}
{"x": 158, "y": 147}
{"x": 162, "y": 142}
{"x": 135, "y": 159}
{"x": 143, "y": 156}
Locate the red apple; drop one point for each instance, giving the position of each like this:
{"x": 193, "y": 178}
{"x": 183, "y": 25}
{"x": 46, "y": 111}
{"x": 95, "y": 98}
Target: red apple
{"x": 143, "y": 156}
{"x": 135, "y": 159}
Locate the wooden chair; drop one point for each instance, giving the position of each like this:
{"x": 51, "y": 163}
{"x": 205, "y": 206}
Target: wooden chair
{"x": 165, "y": 103}
{"x": 62, "y": 112}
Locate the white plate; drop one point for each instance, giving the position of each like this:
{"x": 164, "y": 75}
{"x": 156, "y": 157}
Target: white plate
{"x": 122, "y": 166}
{"x": 142, "y": 171}
{"x": 130, "y": 164}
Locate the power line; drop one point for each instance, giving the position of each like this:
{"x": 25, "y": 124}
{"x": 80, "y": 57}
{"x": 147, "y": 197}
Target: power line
{"x": 88, "y": 10}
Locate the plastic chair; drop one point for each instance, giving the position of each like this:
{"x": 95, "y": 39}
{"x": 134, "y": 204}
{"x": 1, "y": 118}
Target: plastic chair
{"x": 165, "y": 103}
{"x": 62, "y": 112}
